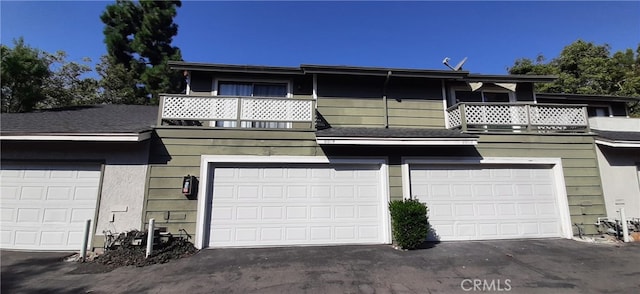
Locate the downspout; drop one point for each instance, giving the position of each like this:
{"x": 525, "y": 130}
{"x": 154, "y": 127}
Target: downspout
{"x": 384, "y": 100}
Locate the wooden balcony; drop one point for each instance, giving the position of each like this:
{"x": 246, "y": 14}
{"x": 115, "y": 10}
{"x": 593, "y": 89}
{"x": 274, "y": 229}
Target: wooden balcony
{"x": 236, "y": 112}
{"x": 518, "y": 117}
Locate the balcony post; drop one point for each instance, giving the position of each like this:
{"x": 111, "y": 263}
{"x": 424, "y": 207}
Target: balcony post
{"x": 160, "y": 107}
{"x": 314, "y": 109}
{"x": 529, "y": 126}
{"x": 239, "y": 112}
{"x": 463, "y": 118}
{"x": 586, "y": 119}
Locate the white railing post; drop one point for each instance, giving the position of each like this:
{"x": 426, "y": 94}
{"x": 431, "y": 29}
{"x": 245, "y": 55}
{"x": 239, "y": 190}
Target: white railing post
{"x": 150, "y": 233}
{"x": 85, "y": 240}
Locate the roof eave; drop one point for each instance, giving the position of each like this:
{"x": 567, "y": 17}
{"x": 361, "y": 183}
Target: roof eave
{"x": 511, "y": 78}
{"x": 87, "y": 137}
{"x": 180, "y": 65}
{"x": 566, "y": 96}
{"x": 380, "y": 71}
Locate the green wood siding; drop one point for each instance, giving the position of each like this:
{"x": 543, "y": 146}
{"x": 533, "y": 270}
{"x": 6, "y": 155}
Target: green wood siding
{"x": 416, "y": 113}
{"x": 176, "y": 153}
{"x": 352, "y": 112}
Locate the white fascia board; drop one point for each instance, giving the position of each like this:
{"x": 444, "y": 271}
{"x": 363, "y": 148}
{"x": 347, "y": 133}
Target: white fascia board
{"x": 395, "y": 141}
{"x": 130, "y": 137}
{"x": 622, "y": 144}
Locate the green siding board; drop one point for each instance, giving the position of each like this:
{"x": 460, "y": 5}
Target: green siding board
{"x": 586, "y": 210}
{"x": 417, "y": 113}
{"x": 166, "y": 193}
{"x": 324, "y": 102}
{"x": 349, "y": 111}
{"x": 175, "y": 227}
{"x": 160, "y": 216}
{"x": 579, "y": 191}
{"x": 172, "y": 171}
{"x": 415, "y": 104}
{"x": 586, "y": 199}
{"x": 338, "y": 121}
{"x": 580, "y": 163}
{"x": 572, "y": 180}
{"x": 165, "y": 182}
{"x": 155, "y": 205}
{"x": 396, "y": 122}
{"x": 581, "y": 171}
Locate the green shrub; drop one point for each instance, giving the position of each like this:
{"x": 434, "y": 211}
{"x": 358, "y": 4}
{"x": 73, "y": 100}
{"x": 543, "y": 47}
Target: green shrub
{"x": 409, "y": 222}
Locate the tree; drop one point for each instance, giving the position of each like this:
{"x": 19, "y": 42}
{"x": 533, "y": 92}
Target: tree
{"x": 138, "y": 38}
{"x": 586, "y": 68}
{"x": 32, "y": 78}
{"x": 66, "y": 86}
{"x": 25, "y": 71}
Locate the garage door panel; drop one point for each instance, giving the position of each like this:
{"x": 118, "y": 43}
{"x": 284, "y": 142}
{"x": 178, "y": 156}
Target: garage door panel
{"x": 321, "y": 234}
{"x": 473, "y": 202}
{"x": 45, "y": 206}
{"x": 296, "y": 205}
{"x": 55, "y": 215}
{"x": 321, "y": 212}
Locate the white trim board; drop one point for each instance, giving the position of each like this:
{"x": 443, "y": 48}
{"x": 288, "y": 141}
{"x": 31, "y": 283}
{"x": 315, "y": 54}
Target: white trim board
{"x": 556, "y": 169}
{"x": 135, "y": 137}
{"x": 623, "y": 144}
{"x": 208, "y": 163}
{"x": 394, "y": 141}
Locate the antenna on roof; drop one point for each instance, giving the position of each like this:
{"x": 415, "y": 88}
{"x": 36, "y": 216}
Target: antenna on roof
{"x": 457, "y": 67}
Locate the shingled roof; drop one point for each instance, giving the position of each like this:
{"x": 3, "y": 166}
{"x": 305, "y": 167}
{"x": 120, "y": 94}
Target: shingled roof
{"x": 94, "y": 119}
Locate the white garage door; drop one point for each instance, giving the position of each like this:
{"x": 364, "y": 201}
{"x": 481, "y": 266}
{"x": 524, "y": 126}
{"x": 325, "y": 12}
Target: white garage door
{"x": 479, "y": 202}
{"x": 297, "y": 205}
{"x": 45, "y": 206}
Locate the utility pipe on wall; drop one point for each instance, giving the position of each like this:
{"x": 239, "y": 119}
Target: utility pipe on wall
{"x": 150, "y": 232}
{"x": 384, "y": 100}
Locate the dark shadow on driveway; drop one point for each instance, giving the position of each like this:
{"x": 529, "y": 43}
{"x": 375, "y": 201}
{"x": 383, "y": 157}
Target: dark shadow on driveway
{"x": 18, "y": 268}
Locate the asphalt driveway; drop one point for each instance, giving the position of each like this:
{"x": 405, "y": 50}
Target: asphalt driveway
{"x": 522, "y": 266}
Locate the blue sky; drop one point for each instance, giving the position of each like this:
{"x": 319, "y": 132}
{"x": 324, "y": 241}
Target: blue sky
{"x": 386, "y": 34}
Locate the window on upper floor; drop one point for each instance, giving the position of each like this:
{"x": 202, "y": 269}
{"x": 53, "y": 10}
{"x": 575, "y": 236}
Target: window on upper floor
{"x": 599, "y": 111}
{"x": 459, "y": 95}
{"x": 253, "y": 89}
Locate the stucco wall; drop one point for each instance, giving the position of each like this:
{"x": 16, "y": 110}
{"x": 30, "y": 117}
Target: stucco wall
{"x": 619, "y": 173}
{"x": 121, "y": 198}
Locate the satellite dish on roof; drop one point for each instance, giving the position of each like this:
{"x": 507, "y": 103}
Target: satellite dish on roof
{"x": 457, "y": 67}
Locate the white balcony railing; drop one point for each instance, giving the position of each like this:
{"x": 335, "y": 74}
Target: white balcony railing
{"x": 204, "y": 110}
{"x": 518, "y": 117}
